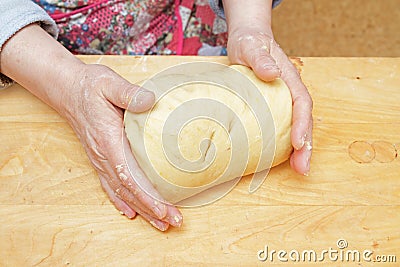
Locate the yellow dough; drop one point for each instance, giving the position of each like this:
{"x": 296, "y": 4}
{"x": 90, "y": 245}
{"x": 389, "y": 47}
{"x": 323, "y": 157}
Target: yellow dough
{"x": 204, "y": 156}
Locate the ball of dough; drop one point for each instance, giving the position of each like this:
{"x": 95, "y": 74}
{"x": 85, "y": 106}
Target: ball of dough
{"x": 191, "y": 156}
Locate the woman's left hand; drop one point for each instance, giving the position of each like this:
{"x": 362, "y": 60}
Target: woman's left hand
{"x": 257, "y": 49}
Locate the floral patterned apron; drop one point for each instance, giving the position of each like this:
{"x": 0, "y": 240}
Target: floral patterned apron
{"x": 138, "y": 27}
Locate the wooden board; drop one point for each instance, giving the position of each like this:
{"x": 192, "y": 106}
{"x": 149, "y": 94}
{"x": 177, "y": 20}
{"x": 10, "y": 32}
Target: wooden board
{"x": 53, "y": 211}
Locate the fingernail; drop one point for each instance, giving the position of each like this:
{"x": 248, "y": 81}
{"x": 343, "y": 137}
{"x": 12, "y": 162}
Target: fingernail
{"x": 158, "y": 212}
{"x": 308, "y": 145}
{"x": 158, "y": 225}
{"x": 130, "y": 214}
{"x": 302, "y": 141}
{"x": 175, "y": 221}
{"x": 307, "y": 173}
{"x": 140, "y": 100}
{"x": 271, "y": 67}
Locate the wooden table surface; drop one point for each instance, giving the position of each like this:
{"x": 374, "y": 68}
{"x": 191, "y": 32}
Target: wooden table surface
{"x": 53, "y": 211}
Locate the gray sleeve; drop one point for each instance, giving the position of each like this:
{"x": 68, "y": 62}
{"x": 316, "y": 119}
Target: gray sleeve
{"x": 217, "y": 7}
{"x": 16, "y": 14}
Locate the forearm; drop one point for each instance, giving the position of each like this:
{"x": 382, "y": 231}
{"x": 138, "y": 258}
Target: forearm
{"x": 252, "y": 14}
{"x": 38, "y": 62}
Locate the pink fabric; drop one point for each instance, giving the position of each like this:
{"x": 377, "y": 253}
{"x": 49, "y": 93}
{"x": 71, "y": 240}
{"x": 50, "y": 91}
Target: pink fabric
{"x": 180, "y": 30}
{"x": 135, "y": 27}
{"x": 77, "y": 11}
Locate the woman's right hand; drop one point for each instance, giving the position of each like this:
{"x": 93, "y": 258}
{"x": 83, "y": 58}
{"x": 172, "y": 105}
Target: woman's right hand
{"x": 92, "y": 98}
{"x": 94, "y": 108}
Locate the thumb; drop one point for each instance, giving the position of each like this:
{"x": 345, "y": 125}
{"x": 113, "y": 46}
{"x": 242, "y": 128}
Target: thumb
{"x": 131, "y": 97}
{"x": 262, "y": 63}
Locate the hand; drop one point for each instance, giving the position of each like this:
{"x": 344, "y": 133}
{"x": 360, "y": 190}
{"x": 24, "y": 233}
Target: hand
{"x": 256, "y": 48}
{"x": 94, "y": 107}
{"x": 92, "y": 98}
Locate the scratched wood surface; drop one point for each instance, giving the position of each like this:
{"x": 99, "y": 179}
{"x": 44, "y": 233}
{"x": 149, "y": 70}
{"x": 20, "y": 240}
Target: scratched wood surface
{"x": 53, "y": 211}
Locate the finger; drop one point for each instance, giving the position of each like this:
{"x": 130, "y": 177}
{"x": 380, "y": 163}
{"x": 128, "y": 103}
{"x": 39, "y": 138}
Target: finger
{"x": 301, "y": 135}
{"x": 109, "y": 148}
{"x": 300, "y": 159}
{"x": 124, "y": 169}
{"x": 129, "y": 96}
{"x": 262, "y": 63}
{"x": 138, "y": 184}
{"x": 116, "y": 199}
{"x": 158, "y": 224}
{"x": 302, "y": 102}
{"x": 174, "y": 217}
{"x": 118, "y": 203}
{"x": 133, "y": 196}
{"x": 301, "y": 121}
{"x": 114, "y": 153}
{"x": 137, "y": 175}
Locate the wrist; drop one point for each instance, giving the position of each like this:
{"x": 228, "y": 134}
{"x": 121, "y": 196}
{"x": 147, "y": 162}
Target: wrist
{"x": 255, "y": 15}
{"x": 39, "y": 63}
{"x": 65, "y": 88}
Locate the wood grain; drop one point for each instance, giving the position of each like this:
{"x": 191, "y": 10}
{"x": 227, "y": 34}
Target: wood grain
{"x": 53, "y": 211}
{"x": 218, "y": 235}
